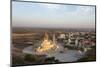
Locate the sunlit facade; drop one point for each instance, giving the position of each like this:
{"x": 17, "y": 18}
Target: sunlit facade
{"x": 47, "y": 44}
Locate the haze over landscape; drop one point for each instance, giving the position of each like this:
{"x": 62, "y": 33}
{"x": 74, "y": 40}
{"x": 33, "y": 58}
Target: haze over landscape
{"x": 42, "y": 15}
{"x": 44, "y": 33}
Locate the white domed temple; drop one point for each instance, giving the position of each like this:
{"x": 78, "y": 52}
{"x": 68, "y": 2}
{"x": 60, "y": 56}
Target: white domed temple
{"x": 47, "y": 44}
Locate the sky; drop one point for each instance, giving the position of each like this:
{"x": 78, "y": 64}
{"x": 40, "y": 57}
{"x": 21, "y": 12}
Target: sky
{"x": 44, "y": 15}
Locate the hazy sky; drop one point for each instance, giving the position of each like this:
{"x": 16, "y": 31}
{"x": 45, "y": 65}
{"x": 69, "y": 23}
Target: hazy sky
{"x": 42, "y": 15}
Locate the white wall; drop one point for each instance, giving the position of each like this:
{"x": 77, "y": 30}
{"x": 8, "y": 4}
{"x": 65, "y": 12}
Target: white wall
{"x": 5, "y": 33}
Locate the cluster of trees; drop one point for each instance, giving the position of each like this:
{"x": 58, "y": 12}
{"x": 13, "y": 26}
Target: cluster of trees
{"x": 90, "y": 55}
{"x": 33, "y": 59}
